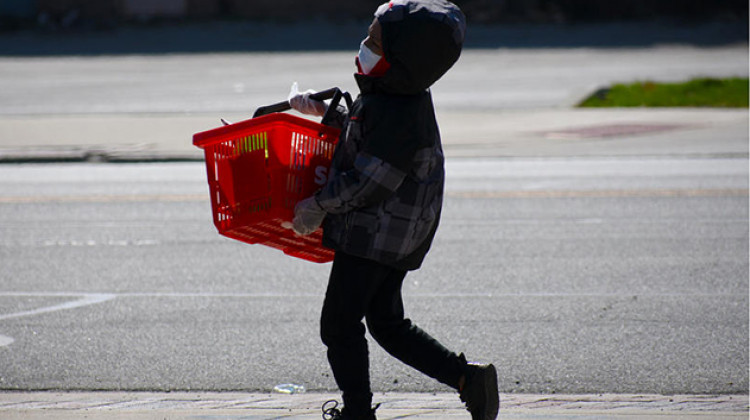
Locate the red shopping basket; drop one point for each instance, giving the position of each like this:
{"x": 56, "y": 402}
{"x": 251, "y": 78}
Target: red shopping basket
{"x": 258, "y": 170}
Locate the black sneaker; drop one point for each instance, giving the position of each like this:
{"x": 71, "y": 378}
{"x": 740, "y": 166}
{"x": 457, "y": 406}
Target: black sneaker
{"x": 480, "y": 392}
{"x": 332, "y": 412}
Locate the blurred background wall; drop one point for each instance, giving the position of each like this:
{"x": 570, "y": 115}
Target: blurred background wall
{"x": 111, "y": 12}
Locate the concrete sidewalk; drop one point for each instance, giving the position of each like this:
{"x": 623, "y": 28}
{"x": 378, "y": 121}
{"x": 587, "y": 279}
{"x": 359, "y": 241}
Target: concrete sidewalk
{"x": 507, "y": 133}
{"x": 247, "y": 406}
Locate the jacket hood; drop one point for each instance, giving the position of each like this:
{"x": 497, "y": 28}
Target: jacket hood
{"x": 422, "y": 39}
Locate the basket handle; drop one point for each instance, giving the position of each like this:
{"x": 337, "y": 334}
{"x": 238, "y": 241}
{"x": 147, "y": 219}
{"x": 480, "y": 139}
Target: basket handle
{"x": 333, "y": 106}
{"x": 284, "y": 106}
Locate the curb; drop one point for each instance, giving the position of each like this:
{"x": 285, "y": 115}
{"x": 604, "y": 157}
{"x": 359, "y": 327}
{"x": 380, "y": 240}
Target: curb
{"x": 545, "y": 132}
{"x": 20, "y": 401}
{"x": 93, "y": 155}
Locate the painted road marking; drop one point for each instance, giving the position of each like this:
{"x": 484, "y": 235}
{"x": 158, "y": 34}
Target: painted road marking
{"x": 92, "y": 242}
{"x": 85, "y": 300}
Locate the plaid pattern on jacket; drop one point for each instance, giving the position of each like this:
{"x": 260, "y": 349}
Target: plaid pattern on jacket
{"x": 385, "y": 188}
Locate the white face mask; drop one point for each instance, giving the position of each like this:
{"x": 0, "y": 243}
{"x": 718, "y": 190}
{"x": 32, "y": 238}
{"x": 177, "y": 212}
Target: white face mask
{"x": 367, "y": 59}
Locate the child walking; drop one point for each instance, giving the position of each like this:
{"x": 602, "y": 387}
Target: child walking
{"x": 381, "y": 206}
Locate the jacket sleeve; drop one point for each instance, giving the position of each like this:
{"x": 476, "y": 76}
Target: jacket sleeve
{"x": 385, "y": 156}
{"x": 370, "y": 181}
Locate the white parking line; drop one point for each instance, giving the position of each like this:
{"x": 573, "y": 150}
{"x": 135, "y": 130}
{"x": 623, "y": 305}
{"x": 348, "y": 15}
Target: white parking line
{"x": 4, "y": 340}
{"x": 85, "y": 300}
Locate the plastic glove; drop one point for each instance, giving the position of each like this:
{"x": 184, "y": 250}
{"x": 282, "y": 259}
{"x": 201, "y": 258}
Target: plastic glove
{"x": 302, "y": 102}
{"x": 308, "y": 216}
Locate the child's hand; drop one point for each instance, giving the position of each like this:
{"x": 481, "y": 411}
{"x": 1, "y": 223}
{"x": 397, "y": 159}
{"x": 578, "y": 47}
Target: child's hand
{"x": 307, "y": 216}
{"x": 302, "y": 102}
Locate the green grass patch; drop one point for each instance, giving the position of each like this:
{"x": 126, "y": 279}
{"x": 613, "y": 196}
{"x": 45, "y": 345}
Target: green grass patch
{"x": 720, "y": 93}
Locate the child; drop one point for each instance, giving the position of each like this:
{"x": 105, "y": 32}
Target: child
{"x": 381, "y": 206}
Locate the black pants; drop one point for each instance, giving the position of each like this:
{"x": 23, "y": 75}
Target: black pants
{"x": 362, "y": 289}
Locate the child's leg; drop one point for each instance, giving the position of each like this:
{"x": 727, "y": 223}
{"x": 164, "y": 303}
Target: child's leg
{"x": 407, "y": 342}
{"x": 352, "y": 283}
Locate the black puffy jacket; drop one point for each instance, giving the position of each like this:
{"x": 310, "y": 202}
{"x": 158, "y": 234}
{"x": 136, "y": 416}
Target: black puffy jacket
{"x": 385, "y": 189}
